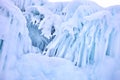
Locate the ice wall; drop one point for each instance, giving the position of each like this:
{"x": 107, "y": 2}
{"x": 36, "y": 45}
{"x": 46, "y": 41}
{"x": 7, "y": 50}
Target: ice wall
{"x": 14, "y": 38}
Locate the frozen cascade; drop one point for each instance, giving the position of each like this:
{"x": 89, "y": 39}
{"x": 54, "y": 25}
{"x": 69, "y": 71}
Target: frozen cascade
{"x": 91, "y": 42}
{"x": 96, "y": 32}
{"x": 73, "y": 28}
{"x": 78, "y": 42}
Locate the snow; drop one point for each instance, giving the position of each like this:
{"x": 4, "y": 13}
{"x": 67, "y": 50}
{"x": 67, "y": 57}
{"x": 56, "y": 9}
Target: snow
{"x": 47, "y": 68}
{"x": 42, "y": 40}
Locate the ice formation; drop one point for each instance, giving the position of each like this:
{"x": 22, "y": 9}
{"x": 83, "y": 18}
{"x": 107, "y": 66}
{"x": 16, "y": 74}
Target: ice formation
{"x": 40, "y": 40}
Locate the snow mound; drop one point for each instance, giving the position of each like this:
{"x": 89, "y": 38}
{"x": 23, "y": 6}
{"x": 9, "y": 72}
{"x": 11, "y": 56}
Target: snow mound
{"x": 38, "y": 67}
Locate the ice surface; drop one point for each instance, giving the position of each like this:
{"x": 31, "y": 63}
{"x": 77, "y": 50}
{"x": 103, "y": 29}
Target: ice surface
{"x": 77, "y": 40}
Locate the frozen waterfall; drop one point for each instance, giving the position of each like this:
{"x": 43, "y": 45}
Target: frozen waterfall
{"x": 41, "y": 40}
